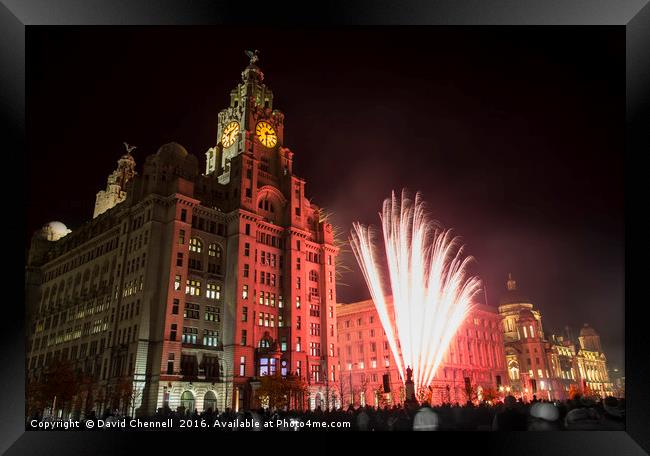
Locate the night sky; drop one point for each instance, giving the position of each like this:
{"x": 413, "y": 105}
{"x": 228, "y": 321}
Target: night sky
{"x": 514, "y": 135}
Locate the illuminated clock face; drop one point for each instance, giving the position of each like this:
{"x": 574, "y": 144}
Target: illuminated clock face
{"x": 229, "y": 134}
{"x": 266, "y": 134}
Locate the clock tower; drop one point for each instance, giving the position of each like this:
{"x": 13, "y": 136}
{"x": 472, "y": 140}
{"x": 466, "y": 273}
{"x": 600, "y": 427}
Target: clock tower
{"x": 250, "y": 126}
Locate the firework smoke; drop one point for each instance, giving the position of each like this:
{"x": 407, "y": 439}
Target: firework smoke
{"x": 431, "y": 290}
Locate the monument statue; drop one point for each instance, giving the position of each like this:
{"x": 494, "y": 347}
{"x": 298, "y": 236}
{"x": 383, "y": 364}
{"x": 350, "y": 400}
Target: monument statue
{"x": 252, "y": 55}
{"x": 129, "y": 148}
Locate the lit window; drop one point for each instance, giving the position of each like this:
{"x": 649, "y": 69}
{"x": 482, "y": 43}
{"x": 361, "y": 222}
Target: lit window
{"x": 213, "y": 291}
{"x": 193, "y": 287}
{"x": 214, "y": 250}
{"x": 244, "y": 292}
{"x": 196, "y": 245}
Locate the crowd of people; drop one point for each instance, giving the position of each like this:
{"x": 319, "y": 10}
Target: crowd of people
{"x": 510, "y": 415}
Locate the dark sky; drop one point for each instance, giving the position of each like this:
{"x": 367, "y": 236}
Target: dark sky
{"x": 513, "y": 134}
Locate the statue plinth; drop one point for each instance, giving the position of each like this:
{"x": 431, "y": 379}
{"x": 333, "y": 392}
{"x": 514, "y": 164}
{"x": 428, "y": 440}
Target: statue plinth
{"x": 409, "y": 389}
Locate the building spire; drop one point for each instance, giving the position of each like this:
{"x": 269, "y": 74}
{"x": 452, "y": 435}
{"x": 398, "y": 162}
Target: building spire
{"x": 511, "y": 284}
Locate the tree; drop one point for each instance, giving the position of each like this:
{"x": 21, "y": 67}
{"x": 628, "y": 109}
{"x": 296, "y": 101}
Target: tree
{"x": 490, "y": 394}
{"x": 36, "y": 400}
{"x": 424, "y": 394}
{"x": 574, "y": 391}
{"x": 58, "y": 382}
{"x": 276, "y": 392}
{"x": 125, "y": 393}
{"x": 381, "y": 397}
{"x": 471, "y": 393}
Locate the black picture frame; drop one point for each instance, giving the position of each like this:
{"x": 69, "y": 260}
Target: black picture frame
{"x": 632, "y": 15}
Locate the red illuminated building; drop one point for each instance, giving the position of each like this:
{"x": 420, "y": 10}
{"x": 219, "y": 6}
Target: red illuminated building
{"x": 475, "y": 358}
{"x": 187, "y": 287}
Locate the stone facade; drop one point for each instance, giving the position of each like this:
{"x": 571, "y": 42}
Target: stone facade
{"x": 475, "y": 356}
{"x": 187, "y": 287}
{"x": 548, "y": 367}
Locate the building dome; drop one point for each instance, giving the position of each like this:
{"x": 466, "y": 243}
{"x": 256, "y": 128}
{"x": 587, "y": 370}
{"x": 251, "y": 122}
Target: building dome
{"x": 588, "y": 331}
{"x": 54, "y": 231}
{"x": 512, "y": 294}
{"x": 172, "y": 150}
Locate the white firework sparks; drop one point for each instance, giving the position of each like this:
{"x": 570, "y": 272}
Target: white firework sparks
{"x": 431, "y": 289}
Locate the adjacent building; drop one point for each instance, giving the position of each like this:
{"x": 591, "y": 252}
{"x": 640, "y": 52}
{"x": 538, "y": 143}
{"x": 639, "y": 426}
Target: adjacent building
{"x": 475, "y": 357}
{"x": 186, "y": 286}
{"x": 549, "y": 367}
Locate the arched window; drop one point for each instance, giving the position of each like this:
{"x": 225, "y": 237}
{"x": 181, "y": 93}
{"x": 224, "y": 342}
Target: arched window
{"x": 196, "y": 245}
{"x": 187, "y": 401}
{"x": 513, "y": 369}
{"x": 214, "y": 250}
{"x": 266, "y": 205}
{"x": 209, "y": 401}
{"x": 264, "y": 343}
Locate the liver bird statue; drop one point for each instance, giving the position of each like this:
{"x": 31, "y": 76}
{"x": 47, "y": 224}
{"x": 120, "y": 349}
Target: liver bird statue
{"x": 252, "y": 55}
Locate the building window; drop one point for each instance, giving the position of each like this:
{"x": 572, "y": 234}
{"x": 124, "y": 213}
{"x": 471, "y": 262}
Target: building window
{"x": 297, "y": 302}
{"x": 179, "y": 259}
{"x": 196, "y": 245}
{"x": 243, "y": 337}
{"x": 242, "y": 366}
{"x": 297, "y": 344}
{"x": 244, "y": 292}
{"x": 212, "y": 250}
{"x": 190, "y": 335}
{"x": 248, "y": 229}
{"x": 315, "y": 372}
{"x": 175, "y": 307}
{"x": 210, "y": 338}
{"x": 313, "y": 276}
{"x": 193, "y": 287}
{"x": 247, "y": 249}
{"x": 172, "y": 332}
{"x": 212, "y": 314}
{"x": 177, "y": 282}
{"x": 183, "y": 215}
{"x": 298, "y": 320}
{"x": 170, "y": 364}
{"x": 213, "y": 291}
{"x": 191, "y": 311}
{"x": 246, "y": 270}
{"x": 244, "y": 315}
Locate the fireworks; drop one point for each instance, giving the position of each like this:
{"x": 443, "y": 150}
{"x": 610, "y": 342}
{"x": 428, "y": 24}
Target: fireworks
{"x": 431, "y": 289}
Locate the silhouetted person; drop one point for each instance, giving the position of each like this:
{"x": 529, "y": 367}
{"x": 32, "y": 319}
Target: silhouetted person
{"x": 509, "y": 419}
